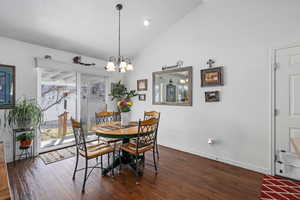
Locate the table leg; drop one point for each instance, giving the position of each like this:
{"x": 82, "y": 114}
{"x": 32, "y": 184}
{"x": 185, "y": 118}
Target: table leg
{"x": 126, "y": 158}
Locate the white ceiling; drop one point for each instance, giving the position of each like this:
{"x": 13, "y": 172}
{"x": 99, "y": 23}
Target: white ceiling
{"x": 89, "y": 27}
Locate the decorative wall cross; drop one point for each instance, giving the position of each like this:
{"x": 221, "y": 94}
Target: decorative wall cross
{"x": 210, "y": 63}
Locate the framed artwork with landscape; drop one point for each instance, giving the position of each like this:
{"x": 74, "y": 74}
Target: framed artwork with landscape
{"x": 7, "y": 86}
{"x": 212, "y": 77}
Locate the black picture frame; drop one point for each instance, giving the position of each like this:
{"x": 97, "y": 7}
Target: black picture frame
{"x": 142, "y": 85}
{"x": 212, "y": 77}
{"x": 212, "y": 96}
{"x": 7, "y": 86}
{"x": 142, "y": 97}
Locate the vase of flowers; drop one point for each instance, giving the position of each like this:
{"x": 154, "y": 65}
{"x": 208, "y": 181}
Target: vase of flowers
{"x": 123, "y": 98}
{"x": 125, "y": 108}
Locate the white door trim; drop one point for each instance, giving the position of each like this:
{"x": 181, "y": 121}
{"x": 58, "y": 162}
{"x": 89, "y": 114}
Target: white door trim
{"x": 272, "y": 93}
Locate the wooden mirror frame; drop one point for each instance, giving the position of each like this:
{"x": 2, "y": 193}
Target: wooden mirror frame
{"x": 190, "y": 85}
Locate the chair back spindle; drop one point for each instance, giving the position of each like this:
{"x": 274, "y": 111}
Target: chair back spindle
{"x": 104, "y": 117}
{"x": 117, "y": 116}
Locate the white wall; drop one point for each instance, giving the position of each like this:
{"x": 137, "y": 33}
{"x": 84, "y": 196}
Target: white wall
{"x": 239, "y": 35}
{"x": 22, "y": 55}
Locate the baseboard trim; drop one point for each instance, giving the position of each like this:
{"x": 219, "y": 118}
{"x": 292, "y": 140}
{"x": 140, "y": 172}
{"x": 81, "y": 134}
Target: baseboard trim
{"x": 224, "y": 160}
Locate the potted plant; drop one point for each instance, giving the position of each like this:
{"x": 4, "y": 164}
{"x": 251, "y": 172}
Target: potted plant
{"x": 25, "y": 140}
{"x": 25, "y": 115}
{"x": 120, "y": 93}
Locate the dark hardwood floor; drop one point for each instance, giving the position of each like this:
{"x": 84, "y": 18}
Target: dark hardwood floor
{"x": 181, "y": 176}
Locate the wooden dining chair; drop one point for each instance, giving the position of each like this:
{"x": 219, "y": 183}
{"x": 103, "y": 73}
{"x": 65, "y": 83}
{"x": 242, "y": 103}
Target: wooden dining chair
{"x": 88, "y": 152}
{"x": 105, "y": 117}
{"x": 149, "y": 115}
{"x": 145, "y": 141}
{"x": 117, "y": 116}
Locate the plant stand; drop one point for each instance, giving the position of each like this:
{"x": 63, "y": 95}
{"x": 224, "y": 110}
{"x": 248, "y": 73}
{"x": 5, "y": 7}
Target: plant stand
{"x": 25, "y": 152}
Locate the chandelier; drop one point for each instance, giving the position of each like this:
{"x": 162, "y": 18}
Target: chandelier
{"x": 120, "y": 63}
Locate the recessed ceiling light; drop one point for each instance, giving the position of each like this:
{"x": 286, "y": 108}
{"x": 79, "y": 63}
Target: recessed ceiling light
{"x": 146, "y": 22}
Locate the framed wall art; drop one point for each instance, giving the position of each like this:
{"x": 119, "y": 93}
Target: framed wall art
{"x": 142, "y": 97}
{"x": 142, "y": 85}
{"x": 212, "y": 96}
{"x": 7, "y": 86}
{"x": 212, "y": 77}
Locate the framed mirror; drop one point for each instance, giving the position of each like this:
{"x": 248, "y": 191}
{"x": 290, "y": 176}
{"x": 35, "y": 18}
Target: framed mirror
{"x": 173, "y": 87}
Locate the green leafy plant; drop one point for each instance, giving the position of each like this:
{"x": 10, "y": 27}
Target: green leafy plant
{"x": 25, "y": 137}
{"x": 120, "y": 92}
{"x": 25, "y": 114}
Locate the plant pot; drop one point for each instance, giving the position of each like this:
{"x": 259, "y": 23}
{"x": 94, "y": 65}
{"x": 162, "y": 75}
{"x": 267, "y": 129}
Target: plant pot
{"x": 125, "y": 118}
{"x": 24, "y": 124}
{"x": 25, "y": 144}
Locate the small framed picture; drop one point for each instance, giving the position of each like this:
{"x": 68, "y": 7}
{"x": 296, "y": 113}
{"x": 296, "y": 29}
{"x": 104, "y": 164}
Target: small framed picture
{"x": 212, "y": 96}
{"x": 142, "y": 85}
{"x": 212, "y": 77}
{"x": 142, "y": 97}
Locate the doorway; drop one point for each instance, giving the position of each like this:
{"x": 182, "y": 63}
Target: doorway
{"x": 287, "y": 112}
{"x": 65, "y": 94}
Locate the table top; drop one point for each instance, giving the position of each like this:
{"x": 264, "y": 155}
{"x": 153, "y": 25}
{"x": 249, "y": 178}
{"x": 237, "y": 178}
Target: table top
{"x": 114, "y": 130}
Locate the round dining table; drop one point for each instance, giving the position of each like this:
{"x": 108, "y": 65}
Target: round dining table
{"x": 115, "y": 130}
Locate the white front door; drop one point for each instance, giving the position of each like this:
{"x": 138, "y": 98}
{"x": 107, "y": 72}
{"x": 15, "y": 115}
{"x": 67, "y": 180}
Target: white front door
{"x": 287, "y": 102}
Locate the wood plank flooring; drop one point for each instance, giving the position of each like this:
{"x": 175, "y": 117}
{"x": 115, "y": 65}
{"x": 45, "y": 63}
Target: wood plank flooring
{"x": 181, "y": 176}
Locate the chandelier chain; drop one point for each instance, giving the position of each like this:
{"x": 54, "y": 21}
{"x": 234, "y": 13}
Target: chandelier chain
{"x": 119, "y": 33}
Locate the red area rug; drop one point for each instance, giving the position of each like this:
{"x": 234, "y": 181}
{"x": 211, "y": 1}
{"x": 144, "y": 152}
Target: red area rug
{"x": 277, "y": 188}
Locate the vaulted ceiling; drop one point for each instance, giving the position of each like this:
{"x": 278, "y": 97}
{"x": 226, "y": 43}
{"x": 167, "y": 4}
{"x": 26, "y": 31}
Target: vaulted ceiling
{"x": 89, "y": 27}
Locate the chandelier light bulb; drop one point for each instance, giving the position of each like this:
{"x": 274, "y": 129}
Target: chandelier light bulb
{"x": 129, "y": 67}
{"x": 123, "y": 65}
{"x": 110, "y": 67}
{"x": 122, "y": 69}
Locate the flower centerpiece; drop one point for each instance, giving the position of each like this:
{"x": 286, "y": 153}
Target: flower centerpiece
{"x": 120, "y": 93}
{"x": 125, "y": 107}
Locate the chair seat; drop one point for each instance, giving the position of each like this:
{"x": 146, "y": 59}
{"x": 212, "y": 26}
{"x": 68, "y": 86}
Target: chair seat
{"x": 131, "y": 148}
{"x": 96, "y": 151}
